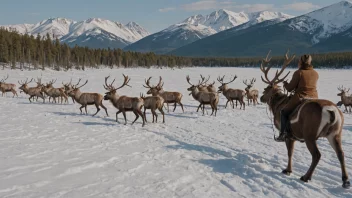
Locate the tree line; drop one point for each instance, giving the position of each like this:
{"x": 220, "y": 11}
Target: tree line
{"x": 42, "y": 52}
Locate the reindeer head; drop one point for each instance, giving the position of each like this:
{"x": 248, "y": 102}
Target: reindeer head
{"x": 142, "y": 96}
{"x": 39, "y": 82}
{"x": 250, "y": 84}
{"x": 112, "y": 90}
{"x": 75, "y": 88}
{"x": 273, "y": 87}
{"x": 2, "y": 81}
{"x": 342, "y": 91}
{"x": 223, "y": 86}
{"x": 67, "y": 86}
{"x": 194, "y": 87}
{"x": 24, "y": 85}
{"x": 154, "y": 90}
{"x": 50, "y": 83}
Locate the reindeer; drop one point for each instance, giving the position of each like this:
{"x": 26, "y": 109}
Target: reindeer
{"x": 54, "y": 92}
{"x": 207, "y": 87}
{"x": 169, "y": 97}
{"x": 313, "y": 119}
{"x": 153, "y": 103}
{"x": 86, "y": 99}
{"x": 124, "y": 103}
{"x": 345, "y": 100}
{"x": 252, "y": 94}
{"x": 204, "y": 98}
{"x": 7, "y": 87}
{"x": 67, "y": 87}
{"x": 31, "y": 91}
{"x": 232, "y": 94}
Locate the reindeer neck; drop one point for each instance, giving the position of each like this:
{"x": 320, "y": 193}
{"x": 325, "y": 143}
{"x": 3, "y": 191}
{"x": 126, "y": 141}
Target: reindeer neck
{"x": 195, "y": 93}
{"x": 225, "y": 89}
{"x": 78, "y": 94}
{"x": 276, "y": 101}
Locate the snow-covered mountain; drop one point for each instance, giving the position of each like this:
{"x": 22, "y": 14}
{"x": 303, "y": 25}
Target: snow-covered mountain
{"x": 325, "y": 22}
{"x": 71, "y": 32}
{"x": 198, "y": 27}
{"x": 324, "y": 30}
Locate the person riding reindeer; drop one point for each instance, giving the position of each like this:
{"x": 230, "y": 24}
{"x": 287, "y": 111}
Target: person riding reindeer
{"x": 303, "y": 85}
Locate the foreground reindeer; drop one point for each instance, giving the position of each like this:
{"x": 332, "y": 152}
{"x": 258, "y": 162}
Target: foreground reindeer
{"x": 54, "y": 92}
{"x": 252, "y": 94}
{"x": 153, "y": 103}
{"x": 169, "y": 97}
{"x": 86, "y": 99}
{"x": 232, "y": 94}
{"x": 124, "y": 103}
{"x": 204, "y": 98}
{"x": 31, "y": 91}
{"x": 345, "y": 100}
{"x": 314, "y": 118}
{"x": 7, "y": 87}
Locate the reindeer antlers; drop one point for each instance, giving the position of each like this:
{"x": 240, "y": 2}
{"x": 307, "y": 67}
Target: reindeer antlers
{"x": 26, "y": 82}
{"x": 125, "y": 82}
{"x": 221, "y": 80}
{"x": 108, "y": 87}
{"x": 147, "y": 82}
{"x": 3, "y": 80}
{"x": 276, "y": 79}
{"x": 251, "y": 82}
{"x": 203, "y": 79}
{"x": 343, "y": 89}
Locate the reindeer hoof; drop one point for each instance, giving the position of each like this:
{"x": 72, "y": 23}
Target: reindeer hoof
{"x": 305, "y": 179}
{"x": 286, "y": 172}
{"x": 346, "y": 184}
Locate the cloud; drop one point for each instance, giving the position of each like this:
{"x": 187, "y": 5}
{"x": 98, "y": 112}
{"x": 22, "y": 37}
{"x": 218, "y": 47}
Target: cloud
{"x": 253, "y": 7}
{"x": 300, "y": 6}
{"x": 166, "y": 9}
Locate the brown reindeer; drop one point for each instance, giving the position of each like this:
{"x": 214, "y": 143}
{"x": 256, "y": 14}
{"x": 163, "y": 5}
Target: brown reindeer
{"x": 204, "y": 98}
{"x": 124, "y": 103}
{"x": 207, "y": 87}
{"x": 252, "y": 94}
{"x": 232, "y": 94}
{"x": 67, "y": 87}
{"x": 31, "y": 91}
{"x": 345, "y": 100}
{"x": 85, "y": 99}
{"x": 153, "y": 103}
{"x": 169, "y": 97}
{"x": 313, "y": 119}
{"x": 7, "y": 87}
{"x": 54, "y": 92}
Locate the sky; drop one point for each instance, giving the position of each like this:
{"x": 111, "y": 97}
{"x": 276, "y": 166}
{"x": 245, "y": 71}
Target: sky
{"x": 153, "y": 15}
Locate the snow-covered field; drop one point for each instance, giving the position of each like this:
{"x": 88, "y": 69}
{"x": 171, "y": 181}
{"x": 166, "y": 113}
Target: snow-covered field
{"x": 51, "y": 150}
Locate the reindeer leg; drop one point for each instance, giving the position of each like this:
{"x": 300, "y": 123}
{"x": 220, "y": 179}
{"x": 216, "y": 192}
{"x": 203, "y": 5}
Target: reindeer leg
{"x": 141, "y": 114}
{"x": 335, "y": 142}
{"x": 137, "y": 116}
{"x": 73, "y": 100}
{"x": 168, "y": 109}
{"x": 106, "y": 110}
{"x": 30, "y": 99}
{"x": 290, "y": 144}
{"x": 156, "y": 115}
{"x": 81, "y": 108}
{"x": 117, "y": 113}
{"x": 174, "y": 107}
{"x": 236, "y": 104}
{"x": 98, "y": 109}
{"x": 226, "y": 104}
{"x": 124, "y": 115}
{"x": 314, "y": 151}
{"x": 145, "y": 117}
{"x": 199, "y": 107}
{"x": 162, "y": 112}
{"x": 181, "y": 106}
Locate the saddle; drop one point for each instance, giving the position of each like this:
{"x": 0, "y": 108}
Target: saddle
{"x": 288, "y": 128}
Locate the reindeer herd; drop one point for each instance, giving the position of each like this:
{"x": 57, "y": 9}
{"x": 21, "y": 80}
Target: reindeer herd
{"x": 203, "y": 92}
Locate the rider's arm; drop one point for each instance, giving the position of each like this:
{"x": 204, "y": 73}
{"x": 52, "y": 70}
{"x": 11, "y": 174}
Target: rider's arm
{"x": 294, "y": 82}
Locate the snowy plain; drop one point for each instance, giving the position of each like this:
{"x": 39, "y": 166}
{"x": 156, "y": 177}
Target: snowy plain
{"x": 51, "y": 150}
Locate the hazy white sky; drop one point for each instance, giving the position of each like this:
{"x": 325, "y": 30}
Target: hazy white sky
{"x": 154, "y": 15}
